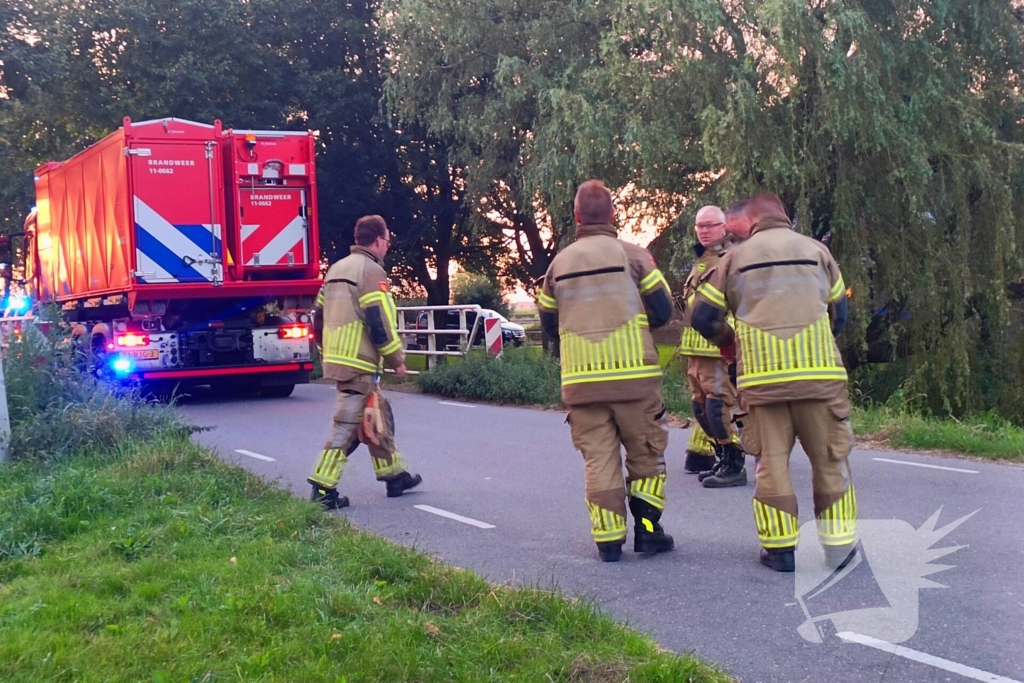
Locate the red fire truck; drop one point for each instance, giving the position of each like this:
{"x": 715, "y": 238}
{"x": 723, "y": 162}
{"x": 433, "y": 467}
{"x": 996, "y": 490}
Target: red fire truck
{"x": 182, "y": 253}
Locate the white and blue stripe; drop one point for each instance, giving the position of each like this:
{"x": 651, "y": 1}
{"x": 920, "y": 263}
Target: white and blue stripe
{"x": 164, "y": 250}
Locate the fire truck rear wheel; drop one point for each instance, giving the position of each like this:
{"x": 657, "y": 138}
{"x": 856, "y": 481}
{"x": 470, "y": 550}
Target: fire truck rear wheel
{"x": 278, "y": 391}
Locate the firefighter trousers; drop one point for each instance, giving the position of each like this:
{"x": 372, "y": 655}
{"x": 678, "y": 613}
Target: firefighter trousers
{"x": 823, "y": 427}
{"x": 350, "y": 404}
{"x": 714, "y": 397}
{"x": 600, "y": 431}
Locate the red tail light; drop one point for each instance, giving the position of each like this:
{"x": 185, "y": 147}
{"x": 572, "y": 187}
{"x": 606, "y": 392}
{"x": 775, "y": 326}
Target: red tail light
{"x": 293, "y": 332}
{"x": 132, "y": 339}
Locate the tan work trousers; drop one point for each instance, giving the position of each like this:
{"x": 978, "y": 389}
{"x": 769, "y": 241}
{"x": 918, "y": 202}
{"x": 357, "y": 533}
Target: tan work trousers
{"x": 348, "y": 418}
{"x": 824, "y": 430}
{"x": 714, "y": 397}
{"x": 600, "y": 431}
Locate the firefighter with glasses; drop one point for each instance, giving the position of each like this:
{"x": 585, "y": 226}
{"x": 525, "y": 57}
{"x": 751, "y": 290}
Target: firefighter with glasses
{"x": 713, "y": 393}
{"x": 788, "y": 302}
{"x": 356, "y": 328}
{"x": 600, "y": 298}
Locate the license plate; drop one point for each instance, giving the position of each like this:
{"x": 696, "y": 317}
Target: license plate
{"x": 147, "y": 354}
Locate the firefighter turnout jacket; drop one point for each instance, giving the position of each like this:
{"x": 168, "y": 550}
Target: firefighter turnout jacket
{"x": 601, "y": 297}
{"x": 788, "y": 302}
{"x": 692, "y": 343}
{"x": 355, "y": 319}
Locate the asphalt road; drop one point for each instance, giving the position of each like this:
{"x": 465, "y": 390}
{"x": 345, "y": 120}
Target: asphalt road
{"x": 515, "y": 471}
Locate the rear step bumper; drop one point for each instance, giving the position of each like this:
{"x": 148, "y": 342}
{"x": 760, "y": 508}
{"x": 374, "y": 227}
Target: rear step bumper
{"x": 270, "y": 373}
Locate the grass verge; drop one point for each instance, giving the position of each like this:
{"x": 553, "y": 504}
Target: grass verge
{"x": 155, "y": 561}
{"x": 985, "y": 436}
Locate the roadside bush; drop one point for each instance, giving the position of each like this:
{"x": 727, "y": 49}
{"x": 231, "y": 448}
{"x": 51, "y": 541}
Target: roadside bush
{"x": 57, "y": 409}
{"x": 522, "y": 376}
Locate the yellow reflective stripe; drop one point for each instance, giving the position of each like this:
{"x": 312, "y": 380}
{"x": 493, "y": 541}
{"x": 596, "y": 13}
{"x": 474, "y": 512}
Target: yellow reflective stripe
{"x": 692, "y": 344}
{"x": 327, "y": 471}
{"x": 650, "y": 489}
{"x": 341, "y": 346}
{"x": 711, "y": 293}
{"x": 370, "y": 297}
{"x": 547, "y": 301}
{"x": 747, "y": 381}
{"x": 837, "y": 525}
{"x": 699, "y": 442}
{"x": 606, "y": 525}
{"x": 775, "y": 528}
{"x": 320, "y": 299}
{"x": 808, "y": 355}
{"x": 837, "y": 291}
{"x": 651, "y": 280}
{"x": 639, "y": 373}
{"x": 387, "y": 303}
{"x": 352, "y": 363}
{"x": 618, "y": 356}
{"x": 382, "y": 468}
{"x": 391, "y": 348}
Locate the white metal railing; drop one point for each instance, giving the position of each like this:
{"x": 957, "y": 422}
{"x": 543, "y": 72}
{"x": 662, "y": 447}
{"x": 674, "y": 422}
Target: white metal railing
{"x": 465, "y": 333}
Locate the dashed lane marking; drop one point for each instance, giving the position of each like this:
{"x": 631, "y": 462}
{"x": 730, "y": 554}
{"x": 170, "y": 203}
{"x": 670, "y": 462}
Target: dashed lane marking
{"x": 921, "y": 464}
{"x": 457, "y": 405}
{"x": 452, "y": 515}
{"x": 924, "y": 658}
{"x": 255, "y": 455}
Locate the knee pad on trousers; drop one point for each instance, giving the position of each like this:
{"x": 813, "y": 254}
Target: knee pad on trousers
{"x": 701, "y": 418}
{"x": 717, "y": 418}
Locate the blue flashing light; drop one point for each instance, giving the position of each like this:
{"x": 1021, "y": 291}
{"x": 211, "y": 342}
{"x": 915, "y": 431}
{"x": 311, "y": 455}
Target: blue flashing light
{"x": 18, "y": 303}
{"x": 122, "y": 366}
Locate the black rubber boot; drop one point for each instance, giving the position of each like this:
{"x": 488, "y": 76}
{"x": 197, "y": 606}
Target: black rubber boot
{"x": 732, "y": 472}
{"x": 328, "y": 497}
{"x": 838, "y": 556}
{"x": 610, "y": 552}
{"x": 779, "y": 559}
{"x": 648, "y": 536}
{"x": 697, "y": 463}
{"x": 719, "y": 463}
{"x": 400, "y": 483}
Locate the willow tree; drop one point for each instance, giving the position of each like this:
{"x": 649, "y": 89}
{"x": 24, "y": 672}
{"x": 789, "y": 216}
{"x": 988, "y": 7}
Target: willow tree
{"x": 893, "y": 125}
{"x": 496, "y": 76}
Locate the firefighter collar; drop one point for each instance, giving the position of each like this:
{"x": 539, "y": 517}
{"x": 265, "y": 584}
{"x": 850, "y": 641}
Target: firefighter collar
{"x": 356, "y": 249}
{"x": 596, "y": 229}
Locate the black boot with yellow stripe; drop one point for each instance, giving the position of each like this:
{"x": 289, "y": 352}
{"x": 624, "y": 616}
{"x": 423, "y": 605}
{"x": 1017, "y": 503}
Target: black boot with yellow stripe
{"x": 648, "y": 536}
{"x": 328, "y": 497}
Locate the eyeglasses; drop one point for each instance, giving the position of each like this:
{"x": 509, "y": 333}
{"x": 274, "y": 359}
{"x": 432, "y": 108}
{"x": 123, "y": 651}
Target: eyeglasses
{"x": 387, "y": 240}
{"x": 708, "y": 226}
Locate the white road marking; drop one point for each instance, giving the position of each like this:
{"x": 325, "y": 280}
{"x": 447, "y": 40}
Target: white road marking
{"x": 921, "y": 464}
{"x": 924, "y": 658}
{"x": 255, "y": 455}
{"x": 452, "y": 515}
{"x": 453, "y": 403}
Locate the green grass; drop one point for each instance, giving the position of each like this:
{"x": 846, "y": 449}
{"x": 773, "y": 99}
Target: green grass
{"x": 986, "y": 436}
{"x": 158, "y": 562}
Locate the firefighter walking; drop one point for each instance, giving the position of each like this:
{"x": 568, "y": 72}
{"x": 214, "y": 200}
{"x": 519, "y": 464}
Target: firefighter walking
{"x": 600, "y": 298}
{"x": 714, "y": 396}
{"x": 788, "y": 300}
{"x": 355, "y": 326}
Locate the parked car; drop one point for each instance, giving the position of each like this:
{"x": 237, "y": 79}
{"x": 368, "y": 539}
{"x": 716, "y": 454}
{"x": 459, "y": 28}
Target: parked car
{"x": 511, "y": 333}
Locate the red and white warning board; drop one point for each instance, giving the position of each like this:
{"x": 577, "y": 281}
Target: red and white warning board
{"x": 274, "y": 226}
{"x": 492, "y": 336}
